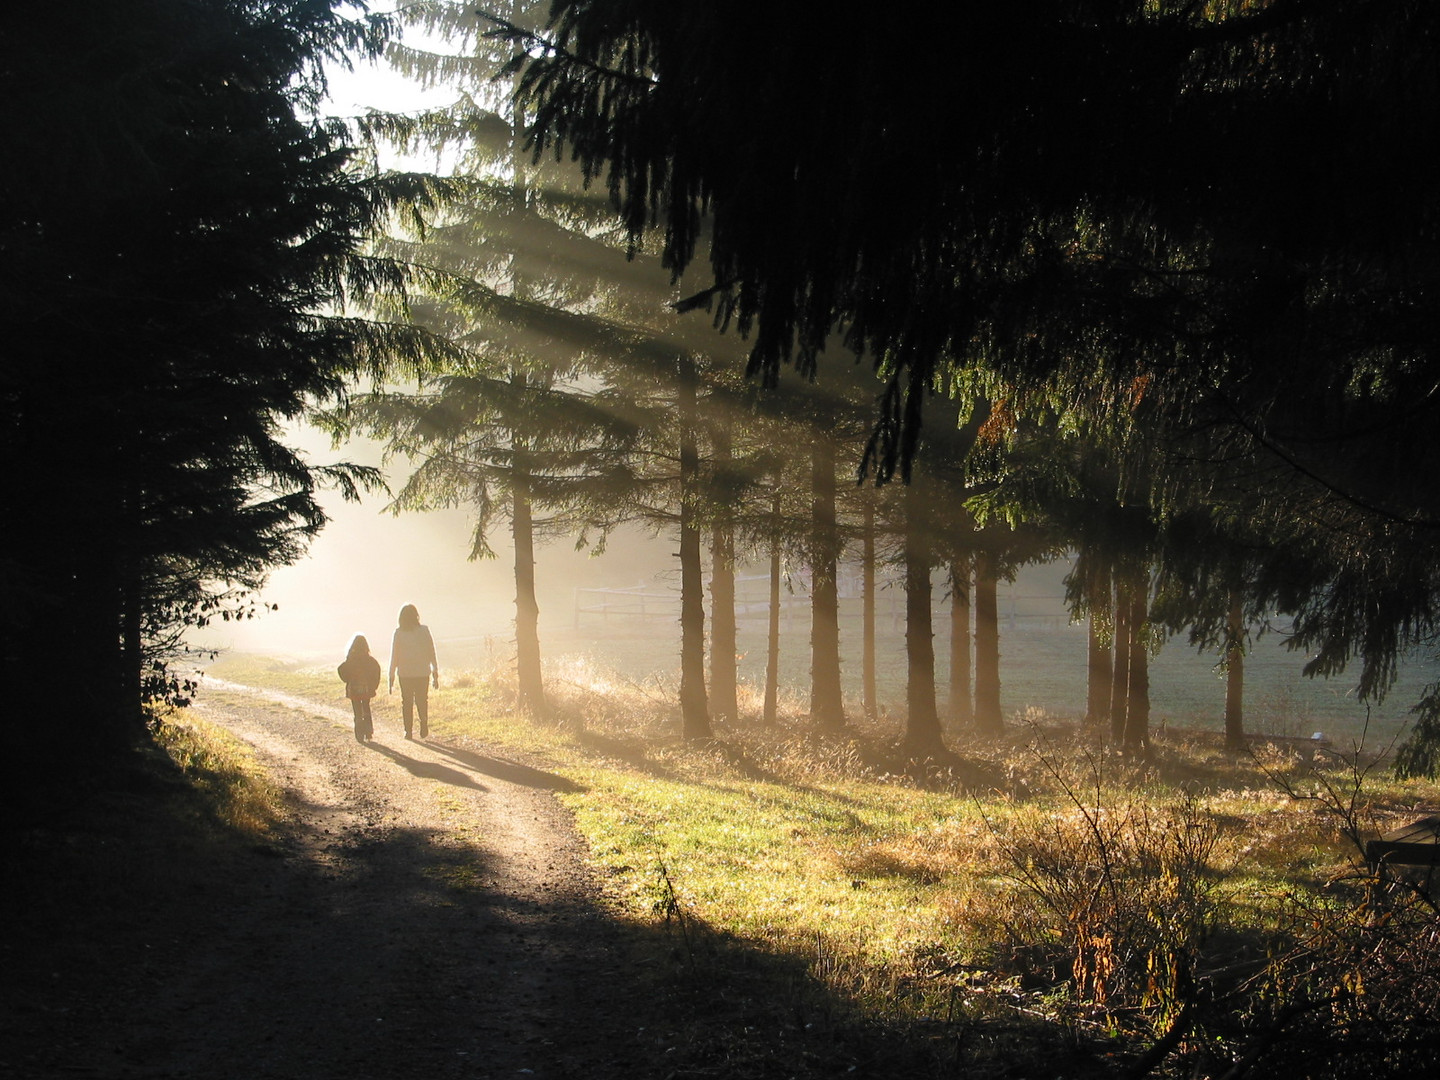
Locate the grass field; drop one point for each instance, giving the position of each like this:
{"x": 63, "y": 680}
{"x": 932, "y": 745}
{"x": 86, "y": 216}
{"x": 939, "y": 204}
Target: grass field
{"x": 1039, "y": 892}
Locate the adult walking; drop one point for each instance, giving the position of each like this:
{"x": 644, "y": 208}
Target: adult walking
{"x": 412, "y": 655}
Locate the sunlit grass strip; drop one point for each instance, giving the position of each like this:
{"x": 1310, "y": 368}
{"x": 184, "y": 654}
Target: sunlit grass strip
{"x": 761, "y": 860}
{"x": 224, "y": 771}
{"x": 307, "y": 680}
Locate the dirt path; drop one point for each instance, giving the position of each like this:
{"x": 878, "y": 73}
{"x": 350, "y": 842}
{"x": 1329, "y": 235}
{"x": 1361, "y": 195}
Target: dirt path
{"x": 429, "y": 914}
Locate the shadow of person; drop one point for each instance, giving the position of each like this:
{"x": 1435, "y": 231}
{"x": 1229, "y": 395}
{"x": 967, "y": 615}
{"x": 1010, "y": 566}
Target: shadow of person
{"x": 510, "y": 771}
{"x": 428, "y": 770}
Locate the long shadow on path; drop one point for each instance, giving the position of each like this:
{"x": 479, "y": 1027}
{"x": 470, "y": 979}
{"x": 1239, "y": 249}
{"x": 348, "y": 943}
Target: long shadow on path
{"x": 512, "y": 772}
{"x": 428, "y": 770}
{"x": 375, "y": 951}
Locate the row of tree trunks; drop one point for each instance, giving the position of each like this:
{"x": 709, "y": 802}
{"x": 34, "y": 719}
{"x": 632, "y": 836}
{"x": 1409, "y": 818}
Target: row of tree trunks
{"x": 924, "y": 730}
{"x": 1118, "y": 684}
{"x": 697, "y": 703}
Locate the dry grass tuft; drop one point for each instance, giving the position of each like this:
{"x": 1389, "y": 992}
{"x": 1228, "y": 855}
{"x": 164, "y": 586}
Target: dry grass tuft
{"x": 222, "y": 769}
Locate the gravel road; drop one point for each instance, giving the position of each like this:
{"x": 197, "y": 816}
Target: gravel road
{"x": 428, "y": 913}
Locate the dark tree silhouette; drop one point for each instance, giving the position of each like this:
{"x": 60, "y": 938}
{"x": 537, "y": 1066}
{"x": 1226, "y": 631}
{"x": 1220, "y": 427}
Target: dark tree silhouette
{"x": 177, "y": 242}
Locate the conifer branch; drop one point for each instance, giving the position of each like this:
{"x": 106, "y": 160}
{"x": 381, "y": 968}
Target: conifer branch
{"x": 527, "y": 40}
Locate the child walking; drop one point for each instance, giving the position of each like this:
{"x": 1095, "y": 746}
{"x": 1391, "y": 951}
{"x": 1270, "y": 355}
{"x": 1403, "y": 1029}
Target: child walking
{"x": 361, "y": 674}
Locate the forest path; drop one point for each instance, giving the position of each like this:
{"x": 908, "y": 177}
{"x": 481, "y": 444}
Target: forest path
{"x": 427, "y": 913}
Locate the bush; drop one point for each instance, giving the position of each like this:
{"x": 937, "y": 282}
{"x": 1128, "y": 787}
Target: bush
{"x": 1124, "y": 888}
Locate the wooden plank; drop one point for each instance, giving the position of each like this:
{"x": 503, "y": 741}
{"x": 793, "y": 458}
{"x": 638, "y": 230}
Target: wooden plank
{"x": 1416, "y": 844}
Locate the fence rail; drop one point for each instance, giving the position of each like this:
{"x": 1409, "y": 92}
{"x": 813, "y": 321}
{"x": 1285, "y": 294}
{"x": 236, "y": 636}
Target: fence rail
{"x": 752, "y": 601}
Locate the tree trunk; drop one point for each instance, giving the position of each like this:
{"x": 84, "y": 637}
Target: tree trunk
{"x": 1100, "y": 676}
{"x": 694, "y": 709}
{"x": 1137, "y": 711}
{"x": 724, "y": 698}
{"x": 961, "y": 709}
{"x": 989, "y": 720}
{"x": 867, "y": 618}
{"x": 1100, "y": 672}
{"x": 1120, "y": 682}
{"x": 827, "y": 707}
{"x": 530, "y": 686}
{"x": 772, "y": 643}
{"x": 1235, "y": 675}
{"x": 922, "y": 721}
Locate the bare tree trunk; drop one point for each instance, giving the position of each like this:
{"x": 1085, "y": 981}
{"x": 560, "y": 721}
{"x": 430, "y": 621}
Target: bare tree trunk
{"x": 772, "y": 644}
{"x": 961, "y": 708}
{"x": 694, "y": 709}
{"x": 1100, "y": 681}
{"x": 867, "y": 650}
{"x": 724, "y": 699}
{"x": 530, "y": 686}
{"x": 1137, "y": 711}
{"x": 922, "y": 721}
{"x": 529, "y": 680}
{"x": 827, "y": 707}
{"x": 1235, "y": 674}
{"x": 989, "y": 720}
{"x": 1120, "y": 683}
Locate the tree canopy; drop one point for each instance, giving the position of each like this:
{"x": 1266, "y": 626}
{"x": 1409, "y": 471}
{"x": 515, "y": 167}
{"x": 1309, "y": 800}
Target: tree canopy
{"x": 1210, "y": 220}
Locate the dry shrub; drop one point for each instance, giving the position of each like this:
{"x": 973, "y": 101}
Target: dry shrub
{"x": 1123, "y": 887}
{"x": 591, "y": 696}
{"x": 1355, "y": 993}
{"x": 1359, "y": 994}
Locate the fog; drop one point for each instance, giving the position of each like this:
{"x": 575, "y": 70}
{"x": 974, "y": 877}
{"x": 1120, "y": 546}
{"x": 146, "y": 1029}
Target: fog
{"x": 367, "y": 563}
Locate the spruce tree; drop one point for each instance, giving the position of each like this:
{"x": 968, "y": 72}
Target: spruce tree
{"x": 181, "y": 240}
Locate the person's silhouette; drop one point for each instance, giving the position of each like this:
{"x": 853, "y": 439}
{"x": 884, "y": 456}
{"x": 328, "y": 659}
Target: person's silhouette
{"x": 412, "y": 655}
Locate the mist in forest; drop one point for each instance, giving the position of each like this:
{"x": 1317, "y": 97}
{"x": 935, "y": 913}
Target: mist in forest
{"x": 367, "y": 563}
